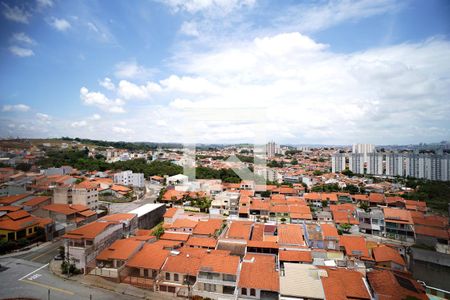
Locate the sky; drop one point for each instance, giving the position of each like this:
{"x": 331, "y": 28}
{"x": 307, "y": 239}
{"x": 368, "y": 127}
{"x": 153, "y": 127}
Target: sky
{"x": 226, "y": 71}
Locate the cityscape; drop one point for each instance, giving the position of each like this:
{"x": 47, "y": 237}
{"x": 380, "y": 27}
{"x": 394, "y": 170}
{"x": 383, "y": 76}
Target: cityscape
{"x": 214, "y": 150}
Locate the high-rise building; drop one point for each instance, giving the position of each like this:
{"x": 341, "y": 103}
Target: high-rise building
{"x": 363, "y": 149}
{"x": 337, "y": 162}
{"x": 272, "y": 148}
{"x": 375, "y": 163}
{"x": 356, "y": 163}
{"x": 395, "y": 164}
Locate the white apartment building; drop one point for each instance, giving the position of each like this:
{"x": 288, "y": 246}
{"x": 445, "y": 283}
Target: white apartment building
{"x": 337, "y": 162}
{"x": 84, "y": 193}
{"x": 375, "y": 163}
{"x": 356, "y": 163}
{"x": 395, "y": 164}
{"x": 129, "y": 178}
{"x": 363, "y": 149}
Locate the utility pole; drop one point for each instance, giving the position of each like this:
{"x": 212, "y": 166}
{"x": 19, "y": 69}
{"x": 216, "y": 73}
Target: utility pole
{"x": 48, "y": 294}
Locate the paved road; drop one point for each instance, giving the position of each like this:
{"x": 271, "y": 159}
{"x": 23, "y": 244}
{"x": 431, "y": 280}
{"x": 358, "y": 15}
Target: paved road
{"x": 42, "y": 255}
{"x": 149, "y": 197}
{"x": 21, "y": 278}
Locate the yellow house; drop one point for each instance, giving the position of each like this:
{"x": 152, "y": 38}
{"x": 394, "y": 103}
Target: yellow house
{"x": 18, "y": 224}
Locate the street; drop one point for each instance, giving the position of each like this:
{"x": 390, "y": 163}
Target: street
{"x": 21, "y": 278}
{"x": 152, "y": 192}
{"x": 42, "y": 255}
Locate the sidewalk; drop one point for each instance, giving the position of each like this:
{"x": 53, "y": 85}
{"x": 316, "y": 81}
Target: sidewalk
{"x": 32, "y": 249}
{"x": 99, "y": 282}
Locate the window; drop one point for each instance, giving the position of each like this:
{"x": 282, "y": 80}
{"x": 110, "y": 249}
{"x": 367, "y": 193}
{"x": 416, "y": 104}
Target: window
{"x": 171, "y": 289}
{"x": 167, "y": 276}
{"x": 210, "y": 287}
{"x": 244, "y": 291}
{"x": 252, "y": 292}
{"x": 175, "y": 277}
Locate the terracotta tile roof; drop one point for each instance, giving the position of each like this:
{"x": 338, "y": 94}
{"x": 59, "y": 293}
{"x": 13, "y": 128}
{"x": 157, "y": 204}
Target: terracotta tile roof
{"x": 258, "y": 232}
{"x": 313, "y": 196}
{"x": 87, "y": 213}
{"x": 36, "y": 201}
{"x": 175, "y": 236}
{"x": 396, "y": 215}
{"x": 8, "y": 200}
{"x": 259, "y": 272}
{"x": 172, "y": 195}
{"x": 344, "y": 217}
{"x": 183, "y": 223}
{"x": 170, "y": 212}
{"x": 65, "y": 209}
{"x": 278, "y": 197}
{"x": 390, "y": 285}
{"x": 384, "y": 253}
{"x": 360, "y": 197}
{"x": 209, "y": 227}
{"x": 295, "y": 256}
{"x": 119, "y": 217}
{"x": 329, "y": 231}
{"x": 263, "y": 244}
{"x": 151, "y": 256}
{"x": 260, "y": 205}
{"x": 220, "y": 264}
{"x": 182, "y": 264}
{"x": 240, "y": 230}
{"x": 88, "y": 231}
{"x": 344, "y": 284}
{"x": 202, "y": 242}
{"x": 143, "y": 232}
{"x": 89, "y": 185}
{"x": 10, "y": 208}
{"x": 120, "y": 250}
{"x": 120, "y": 188}
{"x": 19, "y": 221}
{"x": 433, "y": 232}
{"x": 290, "y": 234}
{"x": 354, "y": 246}
{"x": 376, "y": 198}
{"x": 333, "y": 197}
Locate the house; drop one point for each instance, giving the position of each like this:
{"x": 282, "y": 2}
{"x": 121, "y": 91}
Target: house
{"x": 290, "y": 235}
{"x": 83, "y": 193}
{"x": 143, "y": 268}
{"x": 355, "y": 247}
{"x": 69, "y": 214}
{"x": 82, "y": 245}
{"x": 128, "y": 178}
{"x": 295, "y": 256}
{"x": 19, "y": 224}
{"x": 301, "y": 281}
{"x": 15, "y": 199}
{"x": 372, "y": 221}
{"x": 128, "y": 221}
{"x": 217, "y": 277}
{"x": 388, "y": 257}
{"x": 399, "y": 224}
{"x": 171, "y": 214}
{"x": 36, "y": 203}
{"x": 110, "y": 261}
{"x": 201, "y": 242}
{"x": 179, "y": 272}
{"x": 183, "y": 225}
{"x": 339, "y": 283}
{"x": 208, "y": 228}
{"x": 259, "y": 277}
{"x": 387, "y": 284}
{"x": 239, "y": 230}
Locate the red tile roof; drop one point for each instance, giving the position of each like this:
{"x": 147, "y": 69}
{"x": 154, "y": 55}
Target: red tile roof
{"x": 151, "y": 256}
{"x": 120, "y": 250}
{"x": 343, "y": 284}
{"x": 295, "y": 256}
{"x": 240, "y": 230}
{"x": 8, "y": 200}
{"x": 396, "y": 215}
{"x": 220, "y": 264}
{"x": 386, "y": 285}
{"x": 119, "y": 217}
{"x": 209, "y": 227}
{"x": 354, "y": 246}
{"x": 88, "y": 231}
{"x": 384, "y": 253}
{"x": 203, "y": 242}
{"x": 259, "y": 272}
{"x": 290, "y": 234}
{"x": 36, "y": 201}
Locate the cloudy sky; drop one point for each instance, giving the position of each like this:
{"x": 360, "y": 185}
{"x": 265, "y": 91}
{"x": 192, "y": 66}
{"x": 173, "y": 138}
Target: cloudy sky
{"x": 223, "y": 71}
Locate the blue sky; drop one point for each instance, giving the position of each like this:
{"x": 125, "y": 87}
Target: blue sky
{"x": 215, "y": 71}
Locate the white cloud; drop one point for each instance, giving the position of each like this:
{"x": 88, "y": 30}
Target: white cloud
{"x": 21, "y": 52}
{"x": 15, "y": 13}
{"x": 60, "y": 24}
{"x": 107, "y": 84}
{"x": 43, "y": 117}
{"x": 122, "y": 130}
{"x": 79, "y": 124}
{"x": 186, "y": 84}
{"x": 129, "y": 90}
{"x": 217, "y": 6}
{"x": 190, "y": 29}
{"x": 132, "y": 70}
{"x": 96, "y": 117}
{"x": 44, "y": 3}
{"x": 101, "y": 101}
{"x": 16, "y": 107}
{"x": 22, "y": 37}
{"x": 308, "y": 17}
